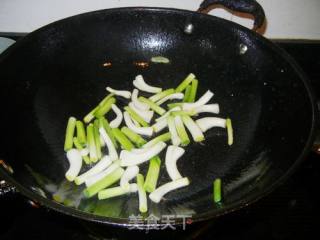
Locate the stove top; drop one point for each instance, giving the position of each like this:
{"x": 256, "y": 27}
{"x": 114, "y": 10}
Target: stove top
{"x": 287, "y": 213}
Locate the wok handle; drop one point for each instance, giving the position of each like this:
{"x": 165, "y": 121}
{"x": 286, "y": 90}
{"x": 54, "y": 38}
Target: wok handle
{"x": 244, "y": 6}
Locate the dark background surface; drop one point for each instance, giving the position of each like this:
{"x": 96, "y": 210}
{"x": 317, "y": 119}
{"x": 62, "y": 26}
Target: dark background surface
{"x": 288, "y": 213}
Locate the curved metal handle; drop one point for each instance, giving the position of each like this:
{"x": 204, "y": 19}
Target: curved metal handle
{"x": 244, "y": 6}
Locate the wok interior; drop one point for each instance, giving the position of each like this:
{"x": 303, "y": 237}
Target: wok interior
{"x": 58, "y": 71}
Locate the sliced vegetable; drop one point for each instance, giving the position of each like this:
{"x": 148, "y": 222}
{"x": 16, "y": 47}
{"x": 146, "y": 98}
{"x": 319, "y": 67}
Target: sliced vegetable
{"x": 143, "y": 149}
{"x": 161, "y": 138}
{"x": 187, "y": 94}
{"x": 143, "y": 86}
{"x": 173, "y": 105}
{"x": 105, "y": 108}
{"x": 210, "y": 122}
{"x": 153, "y": 105}
{"x": 172, "y": 96}
{"x": 217, "y": 190}
{"x": 229, "y": 131}
{"x": 193, "y": 128}
{"x": 75, "y": 163}
{"x": 97, "y": 177}
{"x": 135, "y": 122}
{"x": 103, "y": 183}
{"x": 102, "y": 143}
{"x": 193, "y": 90}
{"x": 111, "y": 148}
{"x": 182, "y": 133}
{"x": 84, "y": 152}
{"x": 145, "y": 115}
{"x": 160, "y": 59}
{"x": 168, "y": 113}
{"x": 160, "y": 125}
{"x": 110, "y": 95}
{"x": 209, "y": 108}
{"x": 79, "y": 147}
{"x": 185, "y": 82}
{"x": 153, "y": 174}
{"x": 91, "y": 143}
{"x": 117, "y": 191}
{"x": 172, "y": 155}
{"x": 68, "y": 143}
{"x": 129, "y": 174}
{"x": 130, "y": 158}
{"x": 122, "y": 139}
{"x": 90, "y": 115}
{"x": 97, "y": 138}
{"x": 139, "y": 150}
{"x": 143, "y": 203}
{"x": 134, "y": 137}
{"x": 137, "y": 117}
{"x": 140, "y": 130}
{"x": 117, "y": 121}
{"x": 103, "y": 123}
{"x": 81, "y": 132}
{"x": 161, "y": 95}
{"x": 157, "y": 195}
{"x": 201, "y": 101}
{"x": 125, "y": 94}
{"x": 175, "y": 139}
{"x": 99, "y": 167}
{"x": 181, "y": 113}
{"x": 134, "y": 115}
{"x": 140, "y": 105}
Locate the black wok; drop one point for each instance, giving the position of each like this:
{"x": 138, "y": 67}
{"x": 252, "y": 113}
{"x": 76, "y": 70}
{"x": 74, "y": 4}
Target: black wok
{"x": 58, "y": 71}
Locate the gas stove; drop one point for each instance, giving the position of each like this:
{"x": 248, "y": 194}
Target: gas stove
{"x": 287, "y": 213}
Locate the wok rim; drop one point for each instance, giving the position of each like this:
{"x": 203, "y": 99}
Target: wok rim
{"x": 250, "y": 199}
